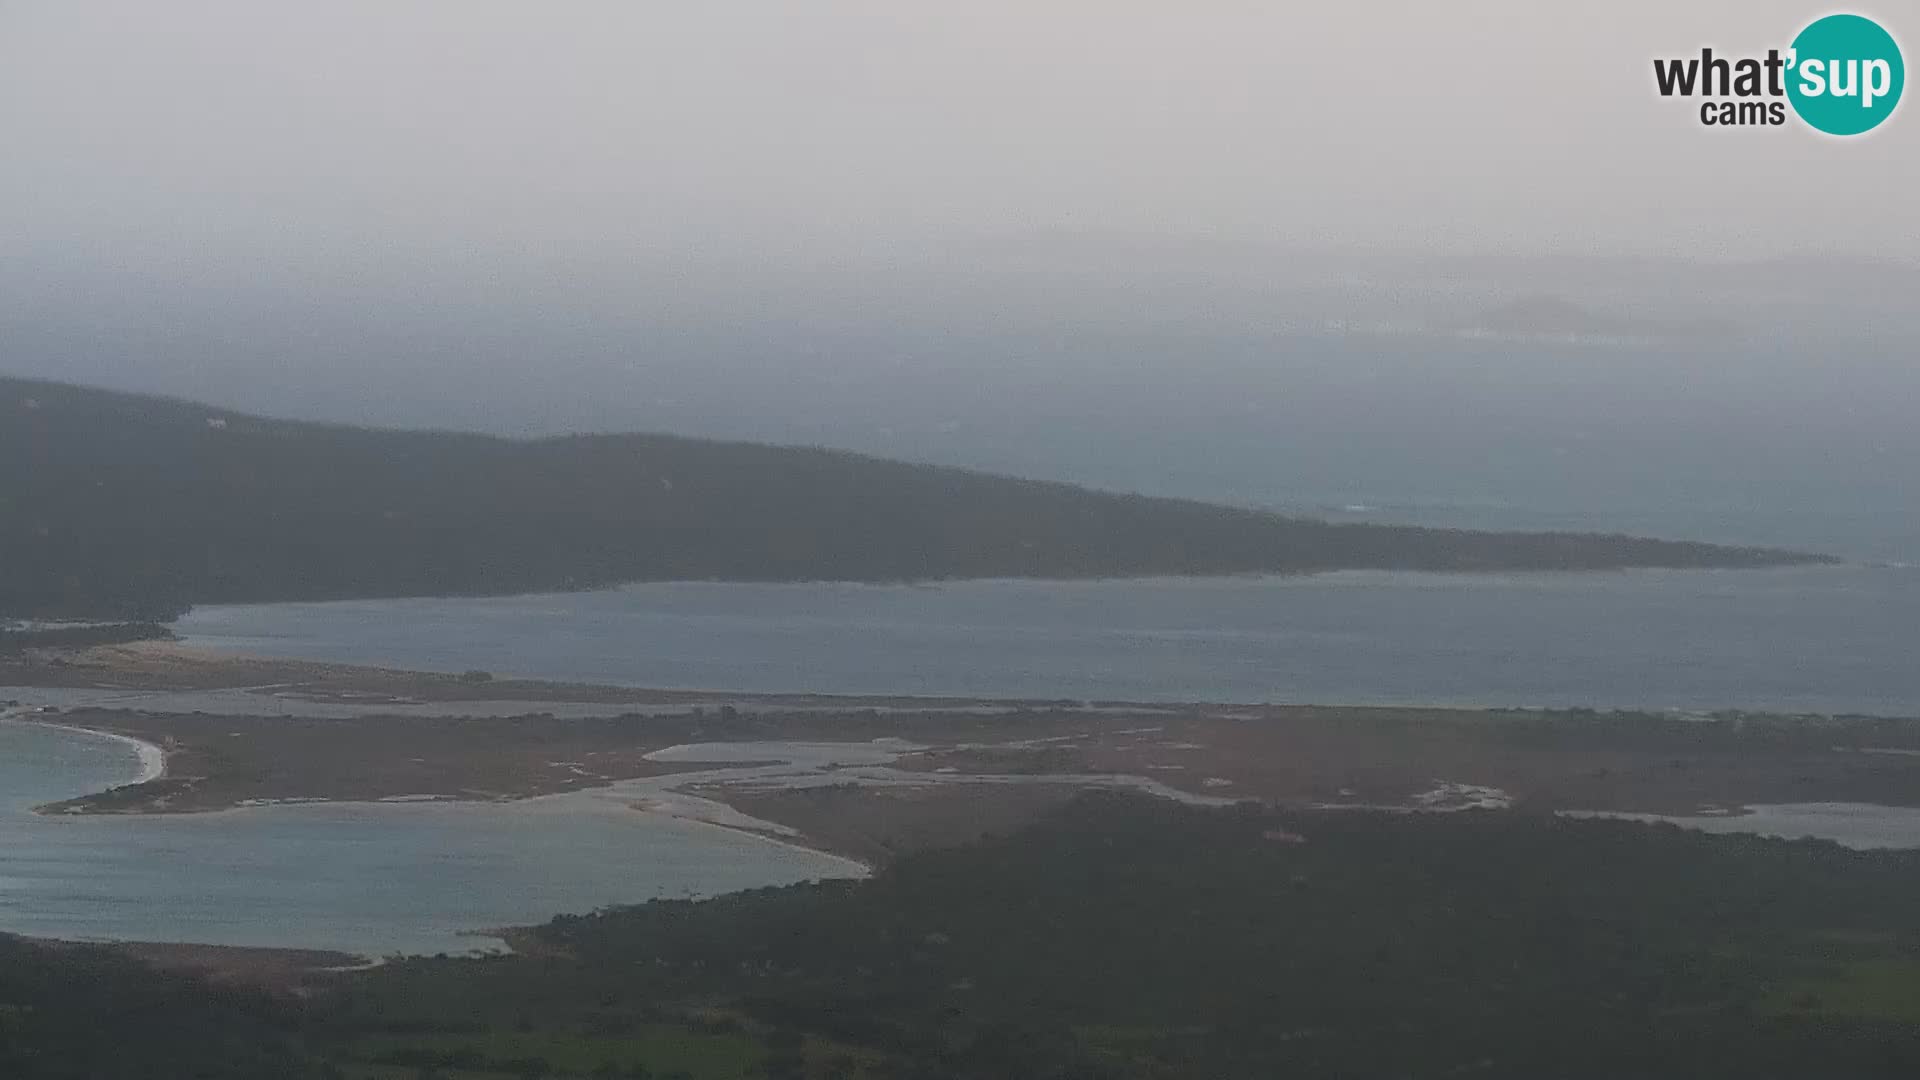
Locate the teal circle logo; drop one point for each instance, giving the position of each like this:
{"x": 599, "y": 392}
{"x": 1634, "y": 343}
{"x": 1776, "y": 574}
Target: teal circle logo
{"x": 1846, "y": 75}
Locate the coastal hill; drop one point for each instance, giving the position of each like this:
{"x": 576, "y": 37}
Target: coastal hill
{"x": 124, "y": 506}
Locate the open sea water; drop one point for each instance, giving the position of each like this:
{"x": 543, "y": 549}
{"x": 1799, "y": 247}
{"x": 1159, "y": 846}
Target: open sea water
{"x": 1838, "y": 639}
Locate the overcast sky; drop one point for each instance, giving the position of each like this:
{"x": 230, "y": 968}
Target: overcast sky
{"x": 844, "y": 223}
{"x": 235, "y": 135}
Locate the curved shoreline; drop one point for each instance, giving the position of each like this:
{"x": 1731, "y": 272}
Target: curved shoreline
{"x": 860, "y": 867}
{"x": 762, "y": 646}
{"x": 668, "y": 803}
{"x": 152, "y": 758}
{"x": 1120, "y": 753}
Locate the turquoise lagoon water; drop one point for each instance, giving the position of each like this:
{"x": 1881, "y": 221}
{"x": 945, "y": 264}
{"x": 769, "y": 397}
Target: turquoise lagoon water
{"x": 364, "y": 878}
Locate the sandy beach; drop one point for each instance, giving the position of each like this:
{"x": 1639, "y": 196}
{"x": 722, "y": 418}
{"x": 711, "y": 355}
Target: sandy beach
{"x": 152, "y": 758}
{"x": 867, "y": 781}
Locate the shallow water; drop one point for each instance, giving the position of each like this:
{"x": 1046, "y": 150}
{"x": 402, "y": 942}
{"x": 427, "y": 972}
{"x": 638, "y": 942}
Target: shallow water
{"x": 1855, "y": 825}
{"x": 362, "y": 878}
{"x": 1822, "y": 639}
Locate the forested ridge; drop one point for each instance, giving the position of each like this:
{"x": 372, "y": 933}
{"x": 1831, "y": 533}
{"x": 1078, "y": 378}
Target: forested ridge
{"x": 1125, "y": 938}
{"x": 88, "y": 1014}
{"x": 124, "y": 506}
{"x": 1120, "y": 938}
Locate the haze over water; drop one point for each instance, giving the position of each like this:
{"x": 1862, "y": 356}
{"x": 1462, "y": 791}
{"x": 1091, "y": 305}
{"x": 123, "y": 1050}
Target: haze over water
{"x": 1821, "y": 639}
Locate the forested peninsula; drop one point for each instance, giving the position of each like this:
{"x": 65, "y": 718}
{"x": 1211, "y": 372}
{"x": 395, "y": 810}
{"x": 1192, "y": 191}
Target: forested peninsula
{"x": 128, "y": 507}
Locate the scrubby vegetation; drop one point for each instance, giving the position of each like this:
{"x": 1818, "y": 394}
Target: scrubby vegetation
{"x": 86, "y": 1014}
{"x": 127, "y": 507}
{"x": 1129, "y": 938}
{"x": 15, "y": 642}
{"x": 1122, "y": 938}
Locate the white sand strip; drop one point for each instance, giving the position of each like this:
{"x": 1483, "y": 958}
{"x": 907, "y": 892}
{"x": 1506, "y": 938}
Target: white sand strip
{"x": 153, "y": 759}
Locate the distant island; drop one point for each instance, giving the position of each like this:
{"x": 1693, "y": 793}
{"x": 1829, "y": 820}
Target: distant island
{"x": 127, "y": 507}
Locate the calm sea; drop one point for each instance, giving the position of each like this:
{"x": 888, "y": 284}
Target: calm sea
{"x": 410, "y": 877}
{"x": 1826, "y": 639}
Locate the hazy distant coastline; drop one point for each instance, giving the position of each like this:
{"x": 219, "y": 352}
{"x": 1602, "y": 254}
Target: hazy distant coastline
{"x": 131, "y": 507}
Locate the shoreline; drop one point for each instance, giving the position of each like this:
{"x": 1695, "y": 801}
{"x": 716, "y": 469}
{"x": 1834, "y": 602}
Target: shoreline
{"x": 513, "y": 743}
{"x": 278, "y": 969}
{"x": 152, "y": 758}
{"x": 1024, "y": 760}
{"x": 248, "y": 733}
{"x": 1769, "y": 558}
{"x": 789, "y": 842}
{"x": 141, "y": 669}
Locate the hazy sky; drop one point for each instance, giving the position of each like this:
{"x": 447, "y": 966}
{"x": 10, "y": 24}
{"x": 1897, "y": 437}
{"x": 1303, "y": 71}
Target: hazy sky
{"x": 846, "y": 223}
{"x": 239, "y": 135}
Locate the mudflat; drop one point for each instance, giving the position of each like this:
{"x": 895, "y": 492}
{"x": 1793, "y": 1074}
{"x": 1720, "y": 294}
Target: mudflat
{"x": 411, "y": 735}
{"x": 914, "y": 774}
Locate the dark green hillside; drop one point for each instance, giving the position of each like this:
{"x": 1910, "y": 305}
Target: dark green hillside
{"x": 1127, "y": 939}
{"x": 87, "y": 1014}
{"x": 125, "y": 506}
